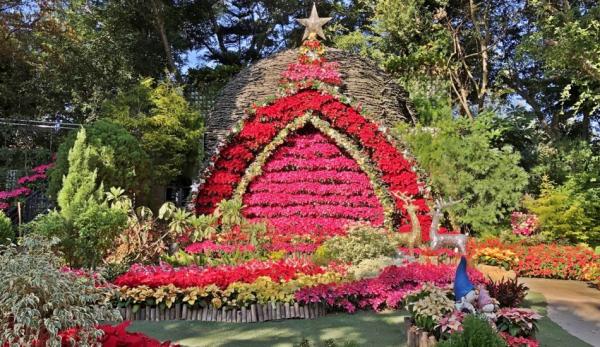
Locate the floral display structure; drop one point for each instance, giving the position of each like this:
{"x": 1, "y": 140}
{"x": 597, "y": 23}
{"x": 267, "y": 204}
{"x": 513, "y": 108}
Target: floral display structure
{"x": 310, "y": 159}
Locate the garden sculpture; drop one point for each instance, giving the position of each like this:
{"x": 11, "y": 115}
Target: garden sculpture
{"x": 470, "y": 298}
{"x": 465, "y": 293}
{"x": 413, "y": 238}
{"x": 486, "y": 304}
{"x": 445, "y": 240}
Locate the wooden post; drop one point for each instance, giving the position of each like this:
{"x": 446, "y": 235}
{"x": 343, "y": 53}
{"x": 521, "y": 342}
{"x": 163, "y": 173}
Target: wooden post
{"x": 432, "y": 341}
{"x": 148, "y": 310}
{"x": 184, "y": 312}
{"x": 244, "y": 314}
{"x": 287, "y": 310}
{"x": 253, "y": 313}
{"x": 411, "y": 337}
{"x": 423, "y": 339}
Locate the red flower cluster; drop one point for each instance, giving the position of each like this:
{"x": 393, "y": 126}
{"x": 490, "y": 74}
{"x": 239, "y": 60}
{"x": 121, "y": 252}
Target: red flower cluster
{"x": 116, "y": 336}
{"x": 513, "y": 341}
{"x": 385, "y": 291}
{"x": 259, "y": 130}
{"x": 309, "y": 184}
{"x": 546, "y": 260}
{"x": 222, "y": 276}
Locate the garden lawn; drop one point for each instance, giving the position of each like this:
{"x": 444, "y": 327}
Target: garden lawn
{"x": 365, "y": 328}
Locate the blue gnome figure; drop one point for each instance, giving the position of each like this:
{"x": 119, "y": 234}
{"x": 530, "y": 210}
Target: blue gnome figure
{"x": 465, "y": 293}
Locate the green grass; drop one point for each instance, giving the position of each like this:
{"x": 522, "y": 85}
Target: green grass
{"x": 550, "y": 334}
{"x": 364, "y": 328}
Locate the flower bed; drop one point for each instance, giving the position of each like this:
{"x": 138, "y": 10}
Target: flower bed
{"x": 385, "y": 291}
{"x": 155, "y": 276}
{"x": 547, "y": 260}
{"x": 116, "y": 336}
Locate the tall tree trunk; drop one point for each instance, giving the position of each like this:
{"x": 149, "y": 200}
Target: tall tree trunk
{"x": 159, "y": 23}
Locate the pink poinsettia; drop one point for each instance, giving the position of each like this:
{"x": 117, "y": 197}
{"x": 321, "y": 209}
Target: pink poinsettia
{"x": 32, "y": 178}
{"x": 15, "y": 193}
{"x": 524, "y": 224}
{"x": 385, "y": 291}
{"x": 305, "y": 189}
{"x": 210, "y": 247}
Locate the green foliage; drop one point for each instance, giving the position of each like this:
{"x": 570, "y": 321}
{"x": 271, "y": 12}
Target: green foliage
{"x": 85, "y": 224}
{"x": 98, "y": 227}
{"x": 566, "y": 213}
{"x": 230, "y": 212}
{"x": 370, "y": 268}
{"x": 113, "y": 152}
{"x": 79, "y": 186}
{"x": 322, "y": 255}
{"x": 38, "y": 299}
{"x": 463, "y": 165}
{"x": 477, "y": 331}
{"x": 567, "y": 47}
{"x": 168, "y": 129}
{"x": 362, "y": 241}
{"x": 7, "y": 233}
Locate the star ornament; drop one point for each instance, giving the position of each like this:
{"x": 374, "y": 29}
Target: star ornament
{"x": 314, "y": 24}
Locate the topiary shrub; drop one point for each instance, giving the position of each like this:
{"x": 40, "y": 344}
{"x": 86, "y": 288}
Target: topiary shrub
{"x": 38, "y": 299}
{"x": 7, "y": 234}
{"x": 363, "y": 241}
{"x": 85, "y": 224}
{"x": 476, "y": 332}
{"x": 114, "y": 153}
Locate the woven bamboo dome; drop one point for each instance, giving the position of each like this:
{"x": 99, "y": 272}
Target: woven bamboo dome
{"x": 385, "y": 102}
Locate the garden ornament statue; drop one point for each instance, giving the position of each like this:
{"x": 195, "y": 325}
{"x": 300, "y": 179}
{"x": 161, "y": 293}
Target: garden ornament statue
{"x": 437, "y": 240}
{"x": 486, "y": 304}
{"x": 470, "y": 298}
{"x": 465, "y": 293}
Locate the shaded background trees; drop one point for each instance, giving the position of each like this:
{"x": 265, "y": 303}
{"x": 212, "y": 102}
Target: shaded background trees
{"x": 531, "y": 68}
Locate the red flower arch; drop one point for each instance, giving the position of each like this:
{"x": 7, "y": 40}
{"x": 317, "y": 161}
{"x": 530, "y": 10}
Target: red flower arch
{"x": 259, "y": 130}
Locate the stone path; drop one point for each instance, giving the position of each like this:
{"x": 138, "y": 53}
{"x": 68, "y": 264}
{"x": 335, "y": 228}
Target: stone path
{"x": 571, "y": 304}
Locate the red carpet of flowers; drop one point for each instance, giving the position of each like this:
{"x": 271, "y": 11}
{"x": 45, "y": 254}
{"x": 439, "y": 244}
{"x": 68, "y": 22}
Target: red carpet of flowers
{"x": 193, "y": 276}
{"x": 117, "y": 336}
{"x": 309, "y": 181}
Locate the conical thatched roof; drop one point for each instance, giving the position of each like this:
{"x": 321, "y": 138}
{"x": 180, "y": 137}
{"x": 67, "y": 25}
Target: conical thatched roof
{"x": 385, "y": 102}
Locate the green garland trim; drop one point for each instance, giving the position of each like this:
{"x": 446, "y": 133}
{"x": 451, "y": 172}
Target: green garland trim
{"x": 362, "y": 159}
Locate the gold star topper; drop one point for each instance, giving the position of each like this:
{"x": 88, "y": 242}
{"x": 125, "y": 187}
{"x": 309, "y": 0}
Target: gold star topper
{"x": 313, "y": 24}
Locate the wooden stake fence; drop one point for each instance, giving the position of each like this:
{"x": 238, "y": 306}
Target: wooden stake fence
{"x": 249, "y": 314}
